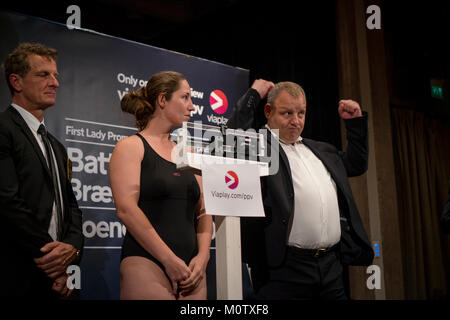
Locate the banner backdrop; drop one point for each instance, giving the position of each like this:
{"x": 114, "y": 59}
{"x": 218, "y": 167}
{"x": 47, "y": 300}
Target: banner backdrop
{"x": 96, "y": 70}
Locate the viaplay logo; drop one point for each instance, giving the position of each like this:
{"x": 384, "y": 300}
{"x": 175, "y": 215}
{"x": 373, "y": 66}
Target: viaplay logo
{"x": 218, "y": 101}
{"x": 231, "y": 179}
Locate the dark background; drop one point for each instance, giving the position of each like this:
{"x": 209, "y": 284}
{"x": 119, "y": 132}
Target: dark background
{"x": 276, "y": 42}
{"x": 281, "y": 40}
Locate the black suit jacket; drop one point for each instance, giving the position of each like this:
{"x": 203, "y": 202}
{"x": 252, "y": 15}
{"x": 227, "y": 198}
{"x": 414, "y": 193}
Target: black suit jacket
{"x": 26, "y": 200}
{"x": 264, "y": 239}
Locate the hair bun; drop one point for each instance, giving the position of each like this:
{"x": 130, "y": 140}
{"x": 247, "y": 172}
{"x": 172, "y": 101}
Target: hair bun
{"x": 136, "y": 103}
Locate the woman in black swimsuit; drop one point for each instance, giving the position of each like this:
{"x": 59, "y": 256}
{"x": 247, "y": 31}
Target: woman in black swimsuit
{"x": 166, "y": 249}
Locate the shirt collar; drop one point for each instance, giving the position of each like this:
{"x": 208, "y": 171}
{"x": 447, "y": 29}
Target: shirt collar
{"x": 30, "y": 120}
{"x": 299, "y": 139}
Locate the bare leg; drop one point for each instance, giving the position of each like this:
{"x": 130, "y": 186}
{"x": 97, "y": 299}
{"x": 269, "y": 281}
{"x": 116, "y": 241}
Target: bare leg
{"x": 142, "y": 279}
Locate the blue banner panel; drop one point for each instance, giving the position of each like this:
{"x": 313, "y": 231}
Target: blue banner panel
{"x": 96, "y": 70}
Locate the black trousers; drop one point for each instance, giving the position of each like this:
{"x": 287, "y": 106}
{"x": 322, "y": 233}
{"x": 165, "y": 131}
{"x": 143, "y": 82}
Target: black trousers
{"x": 302, "y": 277}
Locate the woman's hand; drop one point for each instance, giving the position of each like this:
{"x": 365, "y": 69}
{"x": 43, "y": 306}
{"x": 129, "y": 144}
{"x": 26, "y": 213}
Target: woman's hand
{"x": 178, "y": 271}
{"x": 197, "y": 266}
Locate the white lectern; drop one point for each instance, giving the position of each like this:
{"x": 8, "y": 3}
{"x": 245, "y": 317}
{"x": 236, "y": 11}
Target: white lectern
{"x": 200, "y": 145}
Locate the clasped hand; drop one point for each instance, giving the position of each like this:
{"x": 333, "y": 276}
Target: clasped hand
{"x": 186, "y": 278}
{"x": 58, "y": 256}
{"x": 198, "y": 271}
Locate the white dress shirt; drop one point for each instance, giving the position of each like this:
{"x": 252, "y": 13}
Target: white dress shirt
{"x": 316, "y": 222}
{"x": 33, "y": 123}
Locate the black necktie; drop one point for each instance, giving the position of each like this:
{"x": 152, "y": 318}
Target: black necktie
{"x": 52, "y": 165}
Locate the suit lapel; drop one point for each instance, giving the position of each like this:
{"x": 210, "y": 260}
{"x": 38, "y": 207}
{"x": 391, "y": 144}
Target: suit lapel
{"x": 62, "y": 165}
{"x": 59, "y": 158}
{"x": 284, "y": 160}
{"x": 17, "y": 118}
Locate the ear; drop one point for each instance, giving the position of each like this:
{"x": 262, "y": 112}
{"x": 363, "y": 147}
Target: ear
{"x": 162, "y": 100}
{"x": 16, "y": 82}
{"x": 267, "y": 110}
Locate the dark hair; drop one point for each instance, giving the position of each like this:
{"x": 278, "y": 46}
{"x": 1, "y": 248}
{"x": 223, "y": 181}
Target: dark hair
{"x": 143, "y": 102}
{"x": 17, "y": 61}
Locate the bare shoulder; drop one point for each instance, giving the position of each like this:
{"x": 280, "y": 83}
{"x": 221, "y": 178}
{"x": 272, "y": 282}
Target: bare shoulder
{"x": 131, "y": 145}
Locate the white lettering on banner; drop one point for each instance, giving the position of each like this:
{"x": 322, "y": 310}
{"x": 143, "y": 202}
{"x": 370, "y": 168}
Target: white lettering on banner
{"x": 115, "y": 137}
{"x": 94, "y": 134}
{"x": 72, "y": 131}
{"x": 127, "y": 79}
{"x": 92, "y": 193}
{"x": 88, "y": 164}
{"x": 217, "y": 120}
{"x": 196, "y": 94}
{"x": 122, "y": 93}
{"x": 197, "y": 110}
{"x": 103, "y": 229}
{"x": 97, "y": 134}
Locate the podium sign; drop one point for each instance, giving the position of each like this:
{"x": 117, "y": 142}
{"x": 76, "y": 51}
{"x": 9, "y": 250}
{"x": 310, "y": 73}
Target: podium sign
{"x": 232, "y": 190}
{"x": 231, "y": 163}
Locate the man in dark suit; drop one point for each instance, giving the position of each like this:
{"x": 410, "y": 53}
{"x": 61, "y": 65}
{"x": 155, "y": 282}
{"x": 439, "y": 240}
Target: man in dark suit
{"x": 41, "y": 222}
{"x": 312, "y": 228}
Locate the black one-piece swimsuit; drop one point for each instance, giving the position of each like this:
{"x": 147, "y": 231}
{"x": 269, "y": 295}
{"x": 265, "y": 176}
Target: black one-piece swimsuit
{"x": 168, "y": 198}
